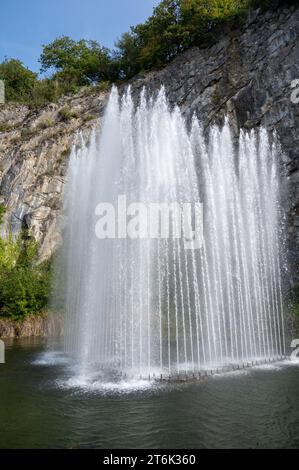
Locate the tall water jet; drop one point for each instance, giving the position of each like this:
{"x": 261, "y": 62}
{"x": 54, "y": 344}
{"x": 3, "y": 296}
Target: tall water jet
{"x": 148, "y": 305}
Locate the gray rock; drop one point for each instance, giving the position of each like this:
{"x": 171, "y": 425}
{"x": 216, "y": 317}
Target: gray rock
{"x": 34, "y": 152}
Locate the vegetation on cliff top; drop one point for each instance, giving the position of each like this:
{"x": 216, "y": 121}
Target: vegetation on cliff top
{"x": 174, "y": 26}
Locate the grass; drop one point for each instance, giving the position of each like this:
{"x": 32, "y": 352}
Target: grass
{"x": 45, "y": 124}
{"x": 66, "y": 114}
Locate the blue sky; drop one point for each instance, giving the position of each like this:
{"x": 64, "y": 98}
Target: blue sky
{"x": 27, "y": 24}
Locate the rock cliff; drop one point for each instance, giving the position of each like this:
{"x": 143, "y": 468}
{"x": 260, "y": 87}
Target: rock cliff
{"x": 246, "y": 75}
{"x": 34, "y": 150}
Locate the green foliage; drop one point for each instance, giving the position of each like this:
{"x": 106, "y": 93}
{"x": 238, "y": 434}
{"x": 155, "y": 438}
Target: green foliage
{"x": 24, "y": 284}
{"x": 22, "y": 85}
{"x": 2, "y": 212}
{"x": 62, "y": 158}
{"x": 66, "y": 114}
{"x": 89, "y": 117}
{"x": 19, "y": 81}
{"x": 45, "y": 124}
{"x": 46, "y": 91}
{"x": 77, "y": 63}
{"x": 4, "y": 127}
{"x": 128, "y": 54}
{"x": 102, "y": 87}
{"x": 174, "y": 26}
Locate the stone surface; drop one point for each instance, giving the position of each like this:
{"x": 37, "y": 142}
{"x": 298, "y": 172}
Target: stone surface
{"x": 34, "y": 152}
{"x": 46, "y": 325}
{"x": 246, "y": 75}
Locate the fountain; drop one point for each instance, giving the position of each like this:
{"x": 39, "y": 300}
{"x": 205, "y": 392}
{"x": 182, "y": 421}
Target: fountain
{"x": 148, "y": 306}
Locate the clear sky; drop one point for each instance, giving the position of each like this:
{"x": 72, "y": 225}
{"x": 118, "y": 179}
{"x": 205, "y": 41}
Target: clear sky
{"x": 27, "y": 24}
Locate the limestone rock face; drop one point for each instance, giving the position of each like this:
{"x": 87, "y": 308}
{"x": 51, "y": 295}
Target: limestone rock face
{"x": 246, "y": 75}
{"x": 34, "y": 151}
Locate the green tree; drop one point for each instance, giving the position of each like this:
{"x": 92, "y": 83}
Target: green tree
{"x": 19, "y": 81}
{"x": 201, "y": 18}
{"x": 174, "y": 26}
{"x": 127, "y": 54}
{"x": 153, "y": 43}
{"x": 76, "y": 62}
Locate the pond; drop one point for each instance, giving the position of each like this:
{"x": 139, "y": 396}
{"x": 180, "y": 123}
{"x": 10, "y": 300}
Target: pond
{"x": 45, "y": 404}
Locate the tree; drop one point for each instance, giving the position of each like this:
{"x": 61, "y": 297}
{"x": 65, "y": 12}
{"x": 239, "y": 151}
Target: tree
{"x": 162, "y": 34}
{"x": 19, "y": 81}
{"x": 76, "y": 62}
{"x": 127, "y": 55}
{"x": 174, "y": 26}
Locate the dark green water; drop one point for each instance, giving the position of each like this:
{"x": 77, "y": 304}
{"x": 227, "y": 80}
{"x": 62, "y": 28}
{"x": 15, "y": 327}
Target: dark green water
{"x": 42, "y": 407}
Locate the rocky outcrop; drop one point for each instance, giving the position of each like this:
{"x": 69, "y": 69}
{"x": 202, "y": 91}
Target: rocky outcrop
{"x": 47, "y": 325}
{"x": 34, "y": 150}
{"x": 246, "y": 75}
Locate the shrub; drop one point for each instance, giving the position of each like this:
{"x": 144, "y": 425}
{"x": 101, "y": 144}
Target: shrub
{"x": 102, "y": 87}
{"x": 66, "y": 114}
{"x": 64, "y": 155}
{"x": 2, "y": 212}
{"x": 19, "y": 81}
{"x": 89, "y": 117}
{"x": 27, "y": 132}
{"x": 22, "y": 85}
{"x": 24, "y": 284}
{"x": 5, "y": 127}
{"x": 45, "y": 124}
{"x": 46, "y": 91}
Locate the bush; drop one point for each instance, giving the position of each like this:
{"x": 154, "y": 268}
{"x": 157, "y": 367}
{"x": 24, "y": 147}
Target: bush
{"x": 89, "y": 117}
{"x": 4, "y": 127}
{"x": 64, "y": 155}
{"x": 66, "y": 114}
{"x": 24, "y": 285}
{"x": 22, "y": 85}
{"x": 45, "y": 124}
{"x": 19, "y": 81}
{"x": 2, "y": 212}
{"x": 28, "y": 132}
{"x": 46, "y": 91}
